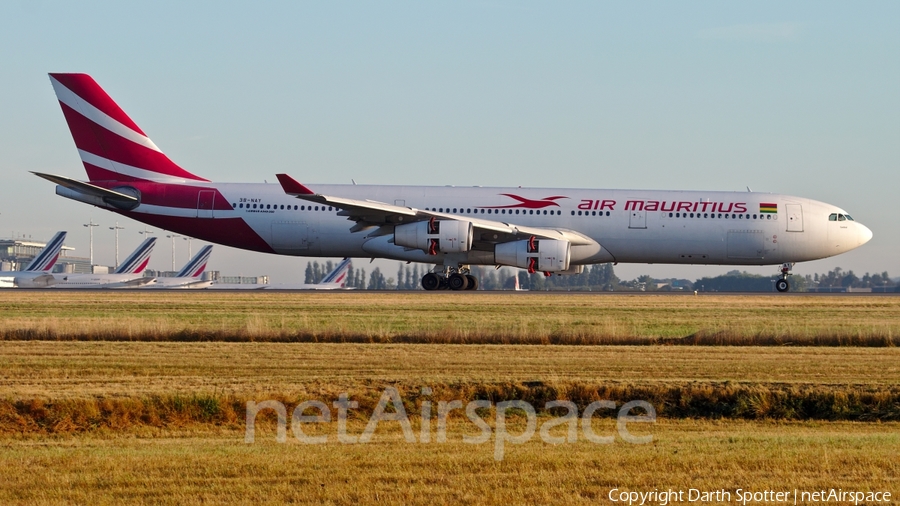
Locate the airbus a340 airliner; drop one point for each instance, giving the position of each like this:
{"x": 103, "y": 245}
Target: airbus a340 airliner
{"x": 549, "y": 230}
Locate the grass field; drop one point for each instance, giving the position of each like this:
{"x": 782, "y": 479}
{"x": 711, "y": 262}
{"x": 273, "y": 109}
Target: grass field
{"x": 485, "y": 318}
{"x": 216, "y": 466}
{"x": 110, "y": 397}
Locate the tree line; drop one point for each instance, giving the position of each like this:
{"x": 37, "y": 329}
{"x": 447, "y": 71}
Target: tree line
{"x": 601, "y": 277}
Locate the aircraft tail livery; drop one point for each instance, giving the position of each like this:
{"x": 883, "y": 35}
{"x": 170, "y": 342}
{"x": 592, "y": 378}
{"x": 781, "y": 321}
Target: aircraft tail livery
{"x": 112, "y": 147}
{"x": 46, "y": 259}
{"x": 137, "y": 261}
{"x": 195, "y": 266}
{"x": 338, "y": 276}
{"x": 554, "y": 231}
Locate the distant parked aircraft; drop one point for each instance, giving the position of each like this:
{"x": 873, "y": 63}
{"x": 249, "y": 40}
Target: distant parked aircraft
{"x": 37, "y": 274}
{"x": 332, "y": 281}
{"x": 128, "y": 275}
{"x": 190, "y": 275}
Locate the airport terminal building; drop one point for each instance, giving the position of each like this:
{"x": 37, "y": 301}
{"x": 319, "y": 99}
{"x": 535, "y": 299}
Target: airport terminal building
{"x": 15, "y": 254}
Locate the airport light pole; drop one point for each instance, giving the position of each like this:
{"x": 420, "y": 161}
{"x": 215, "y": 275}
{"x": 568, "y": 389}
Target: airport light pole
{"x": 173, "y": 236}
{"x": 190, "y": 250}
{"x": 145, "y": 231}
{"x": 90, "y": 226}
{"x": 117, "y": 228}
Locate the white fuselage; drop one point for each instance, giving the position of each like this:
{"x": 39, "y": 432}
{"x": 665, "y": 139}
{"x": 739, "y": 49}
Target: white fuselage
{"x": 100, "y": 281}
{"x": 638, "y": 226}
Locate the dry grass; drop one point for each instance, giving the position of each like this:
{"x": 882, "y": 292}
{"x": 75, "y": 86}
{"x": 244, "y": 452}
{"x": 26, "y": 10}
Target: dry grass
{"x": 486, "y": 318}
{"x": 216, "y": 466}
{"x": 54, "y": 370}
{"x": 59, "y": 387}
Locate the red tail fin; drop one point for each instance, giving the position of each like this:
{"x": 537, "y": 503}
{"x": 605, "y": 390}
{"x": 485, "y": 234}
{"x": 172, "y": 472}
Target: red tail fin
{"x": 111, "y": 145}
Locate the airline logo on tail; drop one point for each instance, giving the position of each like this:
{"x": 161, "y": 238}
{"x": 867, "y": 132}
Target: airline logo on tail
{"x": 339, "y": 275}
{"x": 47, "y": 258}
{"x": 111, "y": 145}
{"x": 138, "y": 260}
{"x": 196, "y": 265}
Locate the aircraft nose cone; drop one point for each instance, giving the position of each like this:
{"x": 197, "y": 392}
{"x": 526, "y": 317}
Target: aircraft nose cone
{"x": 864, "y": 234}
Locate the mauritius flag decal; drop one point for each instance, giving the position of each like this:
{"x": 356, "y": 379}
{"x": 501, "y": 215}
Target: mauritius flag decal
{"x": 768, "y": 208}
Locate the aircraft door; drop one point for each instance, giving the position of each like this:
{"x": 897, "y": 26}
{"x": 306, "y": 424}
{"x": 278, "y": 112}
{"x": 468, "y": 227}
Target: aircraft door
{"x": 205, "y": 201}
{"x": 638, "y": 219}
{"x": 794, "y": 218}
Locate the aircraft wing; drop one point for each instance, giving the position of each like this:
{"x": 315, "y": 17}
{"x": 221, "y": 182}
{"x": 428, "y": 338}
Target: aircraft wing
{"x": 370, "y": 214}
{"x": 135, "y": 283}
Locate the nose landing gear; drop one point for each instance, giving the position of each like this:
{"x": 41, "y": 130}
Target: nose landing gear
{"x": 782, "y": 284}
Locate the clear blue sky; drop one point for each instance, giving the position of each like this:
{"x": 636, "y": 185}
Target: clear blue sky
{"x": 800, "y": 98}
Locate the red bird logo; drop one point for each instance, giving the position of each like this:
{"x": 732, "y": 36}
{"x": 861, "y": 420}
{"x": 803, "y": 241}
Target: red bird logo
{"x": 527, "y": 203}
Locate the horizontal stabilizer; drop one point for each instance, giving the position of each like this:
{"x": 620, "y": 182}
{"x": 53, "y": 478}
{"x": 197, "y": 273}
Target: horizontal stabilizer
{"x": 113, "y": 197}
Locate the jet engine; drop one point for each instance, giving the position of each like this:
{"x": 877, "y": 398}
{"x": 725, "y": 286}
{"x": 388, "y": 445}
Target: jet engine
{"x": 545, "y": 255}
{"x": 445, "y": 236}
{"x": 42, "y": 281}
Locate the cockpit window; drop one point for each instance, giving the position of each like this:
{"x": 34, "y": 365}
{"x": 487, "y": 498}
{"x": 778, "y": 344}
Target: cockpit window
{"x": 848, "y": 217}
{"x": 832, "y": 217}
{"x": 841, "y": 217}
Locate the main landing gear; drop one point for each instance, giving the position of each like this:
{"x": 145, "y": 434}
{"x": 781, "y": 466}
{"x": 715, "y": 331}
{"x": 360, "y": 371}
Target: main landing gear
{"x": 455, "y": 279}
{"x": 782, "y": 284}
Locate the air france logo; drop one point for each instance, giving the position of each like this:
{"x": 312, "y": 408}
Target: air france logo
{"x": 527, "y": 203}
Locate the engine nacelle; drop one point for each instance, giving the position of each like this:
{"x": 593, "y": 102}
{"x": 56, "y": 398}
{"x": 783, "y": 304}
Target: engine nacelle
{"x": 41, "y": 281}
{"x": 445, "y": 236}
{"x": 545, "y": 255}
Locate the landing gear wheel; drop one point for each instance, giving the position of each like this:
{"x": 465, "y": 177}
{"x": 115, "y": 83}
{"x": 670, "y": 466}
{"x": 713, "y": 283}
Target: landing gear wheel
{"x": 457, "y": 281}
{"x": 782, "y": 285}
{"x": 431, "y": 281}
{"x": 473, "y": 282}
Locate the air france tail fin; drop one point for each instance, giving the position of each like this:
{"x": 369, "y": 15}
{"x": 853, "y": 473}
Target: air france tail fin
{"x": 195, "y": 266}
{"x": 46, "y": 259}
{"x": 339, "y": 275}
{"x": 138, "y": 260}
{"x": 112, "y": 147}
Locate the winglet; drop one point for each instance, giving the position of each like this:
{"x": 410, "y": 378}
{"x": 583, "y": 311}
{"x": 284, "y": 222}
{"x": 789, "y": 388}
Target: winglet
{"x": 291, "y": 186}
